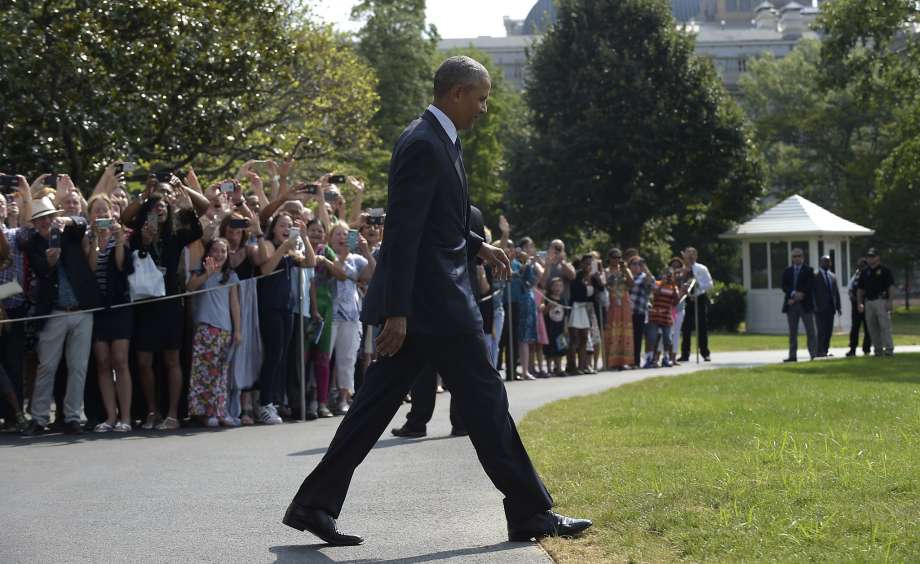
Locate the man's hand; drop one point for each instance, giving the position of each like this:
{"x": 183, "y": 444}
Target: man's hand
{"x": 861, "y": 308}
{"x": 392, "y": 337}
{"x": 497, "y": 259}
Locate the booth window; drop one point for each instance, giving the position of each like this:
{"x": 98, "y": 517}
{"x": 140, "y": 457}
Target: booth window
{"x": 759, "y": 279}
{"x": 779, "y": 260}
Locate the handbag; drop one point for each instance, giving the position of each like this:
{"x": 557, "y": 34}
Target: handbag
{"x": 147, "y": 280}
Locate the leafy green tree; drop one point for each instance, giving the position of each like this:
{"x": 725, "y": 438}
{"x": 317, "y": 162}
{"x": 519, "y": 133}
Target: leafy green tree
{"x": 169, "y": 81}
{"x": 872, "y": 48}
{"x": 400, "y": 48}
{"x": 630, "y": 130}
{"x": 820, "y": 141}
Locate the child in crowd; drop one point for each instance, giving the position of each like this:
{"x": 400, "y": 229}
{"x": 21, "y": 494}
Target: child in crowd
{"x": 216, "y": 316}
{"x": 555, "y": 317}
{"x": 665, "y": 297}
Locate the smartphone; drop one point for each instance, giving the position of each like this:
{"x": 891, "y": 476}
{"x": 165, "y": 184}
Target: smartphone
{"x": 238, "y": 223}
{"x": 337, "y": 179}
{"x": 310, "y": 188}
{"x": 542, "y": 255}
{"x": 352, "y": 239}
{"x": 293, "y": 233}
{"x": 330, "y": 197}
{"x": 51, "y": 180}
{"x": 54, "y": 240}
{"x": 125, "y": 167}
{"x": 163, "y": 175}
{"x": 104, "y": 223}
{"x": 153, "y": 219}
{"x": 376, "y": 219}
{"x": 227, "y": 187}
{"x": 8, "y": 183}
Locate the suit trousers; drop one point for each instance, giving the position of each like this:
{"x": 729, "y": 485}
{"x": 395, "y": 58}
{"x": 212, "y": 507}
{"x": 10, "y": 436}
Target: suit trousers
{"x": 858, "y": 320}
{"x": 424, "y": 392}
{"x": 878, "y": 321}
{"x": 72, "y": 334}
{"x": 824, "y": 320}
{"x": 794, "y": 313}
{"x": 463, "y": 363}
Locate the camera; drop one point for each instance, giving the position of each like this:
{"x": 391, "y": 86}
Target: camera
{"x": 337, "y": 179}
{"x": 54, "y": 240}
{"x": 330, "y": 197}
{"x": 309, "y": 188}
{"x": 542, "y": 255}
{"x": 104, "y": 223}
{"x": 125, "y": 167}
{"x": 376, "y": 216}
{"x": 227, "y": 187}
{"x": 238, "y": 223}
{"x": 51, "y": 181}
{"x": 8, "y": 183}
{"x": 162, "y": 175}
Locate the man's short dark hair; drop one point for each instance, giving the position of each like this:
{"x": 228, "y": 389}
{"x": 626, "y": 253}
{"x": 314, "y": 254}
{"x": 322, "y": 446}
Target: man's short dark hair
{"x": 460, "y": 70}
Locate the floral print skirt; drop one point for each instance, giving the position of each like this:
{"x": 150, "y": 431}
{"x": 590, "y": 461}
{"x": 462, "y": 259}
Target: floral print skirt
{"x": 207, "y": 389}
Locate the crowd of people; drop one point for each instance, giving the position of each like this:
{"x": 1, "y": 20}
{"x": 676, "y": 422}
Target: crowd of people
{"x": 216, "y": 298}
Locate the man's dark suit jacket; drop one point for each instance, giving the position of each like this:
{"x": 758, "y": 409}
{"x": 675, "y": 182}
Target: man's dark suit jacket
{"x": 827, "y": 300}
{"x": 805, "y": 284}
{"x": 422, "y": 273}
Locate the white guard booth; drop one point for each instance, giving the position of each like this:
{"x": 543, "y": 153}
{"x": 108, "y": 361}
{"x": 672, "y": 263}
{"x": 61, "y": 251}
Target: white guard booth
{"x": 767, "y": 242}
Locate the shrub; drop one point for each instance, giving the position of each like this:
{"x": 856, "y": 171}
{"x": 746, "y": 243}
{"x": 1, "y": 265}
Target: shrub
{"x": 728, "y": 307}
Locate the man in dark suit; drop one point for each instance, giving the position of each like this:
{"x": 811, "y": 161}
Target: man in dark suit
{"x": 799, "y": 303}
{"x": 421, "y": 294}
{"x": 827, "y": 304}
{"x": 425, "y": 389}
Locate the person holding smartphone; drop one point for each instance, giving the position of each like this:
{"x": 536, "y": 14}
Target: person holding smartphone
{"x": 106, "y": 255}
{"x": 619, "y": 331}
{"x": 162, "y": 231}
{"x": 356, "y": 260}
{"x": 65, "y": 285}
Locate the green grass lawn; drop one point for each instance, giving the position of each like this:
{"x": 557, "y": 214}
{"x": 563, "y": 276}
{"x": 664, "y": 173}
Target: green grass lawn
{"x": 819, "y": 462}
{"x": 906, "y": 325}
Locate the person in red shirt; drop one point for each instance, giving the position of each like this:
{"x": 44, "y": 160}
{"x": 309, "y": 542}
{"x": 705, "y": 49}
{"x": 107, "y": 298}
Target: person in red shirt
{"x": 665, "y": 296}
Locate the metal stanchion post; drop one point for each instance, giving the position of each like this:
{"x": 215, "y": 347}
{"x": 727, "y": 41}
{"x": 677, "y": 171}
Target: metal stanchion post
{"x": 301, "y": 365}
{"x": 696, "y": 326}
{"x": 509, "y": 366}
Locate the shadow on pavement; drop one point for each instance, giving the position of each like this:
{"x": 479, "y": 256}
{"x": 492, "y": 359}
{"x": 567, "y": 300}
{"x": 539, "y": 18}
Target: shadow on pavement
{"x": 297, "y": 553}
{"x": 384, "y": 443}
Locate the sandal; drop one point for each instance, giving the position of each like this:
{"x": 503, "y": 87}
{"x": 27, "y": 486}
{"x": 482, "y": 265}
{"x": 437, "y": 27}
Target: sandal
{"x": 103, "y": 427}
{"x": 246, "y": 419}
{"x": 153, "y": 421}
{"x": 168, "y": 424}
{"x": 122, "y": 427}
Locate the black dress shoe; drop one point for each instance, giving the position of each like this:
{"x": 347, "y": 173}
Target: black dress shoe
{"x": 851, "y": 353}
{"x": 73, "y": 428}
{"x": 458, "y": 432}
{"x": 683, "y": 359}
{"x": 319, "y": 523}
{"x": 547, "y": 524}
{"x": 790, "y": 359}
{"x": 34, "y": 428}
{"x": 408, "y": 432}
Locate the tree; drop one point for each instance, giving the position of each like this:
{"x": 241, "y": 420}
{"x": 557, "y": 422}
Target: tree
{"x": 630, "y": 130}
{"x": 820, "y": 141}
{"x": 172, "y": 82}
{"x": 872, "y": 48}
{"x": 400, "y": 48}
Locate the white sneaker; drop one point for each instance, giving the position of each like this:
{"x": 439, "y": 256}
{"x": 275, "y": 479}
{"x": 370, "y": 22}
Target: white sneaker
{"x": 268, "y": 415}
{"x": 212, "y": 422}
{"x": 228, "y": 421}
{"x": 342, "y": 408}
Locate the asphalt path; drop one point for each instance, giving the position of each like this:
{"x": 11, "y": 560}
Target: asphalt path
{"x": 201, "y": 495}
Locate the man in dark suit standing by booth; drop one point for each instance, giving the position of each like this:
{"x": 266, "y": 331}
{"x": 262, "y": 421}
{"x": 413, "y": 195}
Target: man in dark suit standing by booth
{"x": 827, "y": 304}
{"x": 799, "y": 303}
{"x": 421, "y": 295}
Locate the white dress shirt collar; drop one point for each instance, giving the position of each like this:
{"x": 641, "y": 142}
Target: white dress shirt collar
{"x": 445, "y": 122}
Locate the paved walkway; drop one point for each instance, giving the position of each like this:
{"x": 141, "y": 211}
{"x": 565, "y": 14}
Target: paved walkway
{"x": 218, "y": 496}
